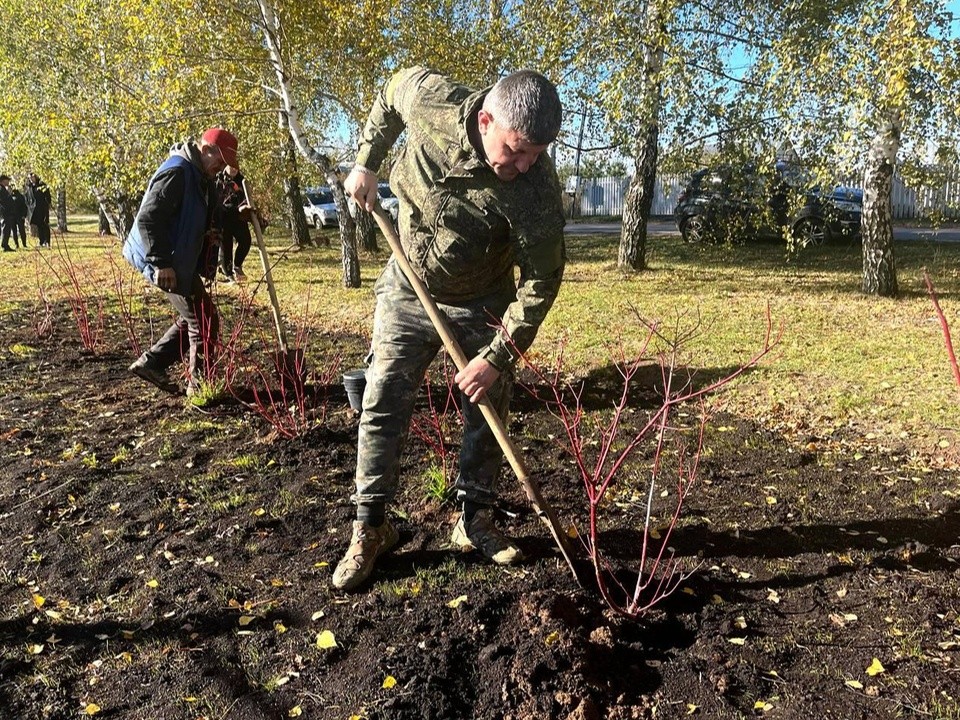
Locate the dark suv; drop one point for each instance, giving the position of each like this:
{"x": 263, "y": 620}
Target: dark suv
{"x": 732, "y": 204}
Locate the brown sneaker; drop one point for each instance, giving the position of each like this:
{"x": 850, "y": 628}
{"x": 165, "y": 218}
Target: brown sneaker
{"x": 144, "y": 371}
{"x": 367, "y": 545}
{"x": 481, "y": 534}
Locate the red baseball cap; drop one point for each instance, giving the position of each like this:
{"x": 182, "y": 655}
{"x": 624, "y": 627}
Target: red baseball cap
{"x": 225, "y": 141}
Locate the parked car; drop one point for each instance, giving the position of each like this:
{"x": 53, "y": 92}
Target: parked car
{"x": 388, "y": 201}
{"x": 727, "y": 203}
{"x": 319, "y": 208}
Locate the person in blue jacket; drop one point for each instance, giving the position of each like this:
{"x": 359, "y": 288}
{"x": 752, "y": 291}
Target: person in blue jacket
{"x": 174, "y": 243}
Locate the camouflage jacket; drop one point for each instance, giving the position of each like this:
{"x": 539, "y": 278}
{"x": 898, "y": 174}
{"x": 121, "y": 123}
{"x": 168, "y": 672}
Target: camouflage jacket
{"x": 463, "y": 229}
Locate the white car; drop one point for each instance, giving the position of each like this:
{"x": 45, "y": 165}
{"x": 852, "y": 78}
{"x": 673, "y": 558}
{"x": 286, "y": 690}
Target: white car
{"x": 319, "y": 208}
{"x": 388, "y": 200}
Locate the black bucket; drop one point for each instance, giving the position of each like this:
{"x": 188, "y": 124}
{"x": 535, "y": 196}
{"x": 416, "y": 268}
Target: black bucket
{"x": 354, "y": 381}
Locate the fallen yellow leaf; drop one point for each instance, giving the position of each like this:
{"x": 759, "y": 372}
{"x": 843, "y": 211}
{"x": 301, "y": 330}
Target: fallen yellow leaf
{"x": 280, "y": 628}
{"x": 152, "y": 583}
{"x": 875, "y": 668}
{"x": 737, "y": 641}
{"x": 38, "y": 601}
{"x": 91, "y": 709}
{"x": 691, "y": 708}
{"x": 389, "y": 681}
{"x": 552, "y": 638}
{"x": 295, "y": 711}
{"x": 855, "y": 684}
{"x": 457, "y": 601}
{"x": 326, "y": 640}
{"x": 246, "y": 620}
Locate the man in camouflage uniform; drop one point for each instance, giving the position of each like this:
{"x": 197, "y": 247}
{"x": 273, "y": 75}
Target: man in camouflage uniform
{"x": 478, "y": 197}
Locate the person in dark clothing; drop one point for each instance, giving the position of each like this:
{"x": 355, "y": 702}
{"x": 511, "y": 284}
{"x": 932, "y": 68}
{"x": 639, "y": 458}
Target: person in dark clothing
{"x": 38, "y": 207}
{"x": 172, "y": 243}
{"x": 19, "y": 217}
{"x": 233, "y": 203}
{"x": 6, "y": 213}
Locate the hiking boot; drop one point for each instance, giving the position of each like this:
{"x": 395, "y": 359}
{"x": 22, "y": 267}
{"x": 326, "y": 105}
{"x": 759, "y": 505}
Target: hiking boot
{"x": 367, "y": 545}
{"x": 142, "y": 370}
{"x": 481, "y": 534}
{"x": 239, "y": 275}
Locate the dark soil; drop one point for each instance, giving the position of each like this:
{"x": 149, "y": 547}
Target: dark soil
{"x": 163, "y": 561}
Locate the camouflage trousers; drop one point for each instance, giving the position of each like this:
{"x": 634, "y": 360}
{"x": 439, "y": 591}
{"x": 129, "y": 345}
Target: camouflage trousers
{"x": 404, "y": 344}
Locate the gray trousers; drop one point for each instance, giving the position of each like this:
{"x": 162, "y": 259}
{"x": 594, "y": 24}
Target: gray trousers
{"x": 404, "y": 344}
{"x": 191, "y": 334}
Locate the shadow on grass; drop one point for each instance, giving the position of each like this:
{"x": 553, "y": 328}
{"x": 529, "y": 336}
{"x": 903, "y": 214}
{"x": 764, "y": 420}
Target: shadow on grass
{"x": 836, "y": 267}
{"x": 603, "y": 387}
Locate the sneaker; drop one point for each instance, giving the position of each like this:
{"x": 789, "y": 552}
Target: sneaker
{"x": 142, "y": 370}
{"x": 367, "y": 545}
{"x": 481, "y": 534}
{"x": 239, "y": 275}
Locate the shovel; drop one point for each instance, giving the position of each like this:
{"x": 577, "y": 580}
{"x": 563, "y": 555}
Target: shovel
{"x": 540, "y": 505}
{"x": 289, "y": 363}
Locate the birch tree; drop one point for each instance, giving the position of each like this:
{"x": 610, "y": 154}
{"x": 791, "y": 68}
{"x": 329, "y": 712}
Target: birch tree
{"x": 866, "y": 86}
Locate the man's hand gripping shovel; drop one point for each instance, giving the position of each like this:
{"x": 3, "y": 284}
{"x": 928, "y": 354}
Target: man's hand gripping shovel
{"x": 540, "y": 505}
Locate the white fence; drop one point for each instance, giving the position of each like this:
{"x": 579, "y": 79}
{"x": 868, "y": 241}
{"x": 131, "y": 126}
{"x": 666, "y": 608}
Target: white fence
{"x": 605, "y": 195}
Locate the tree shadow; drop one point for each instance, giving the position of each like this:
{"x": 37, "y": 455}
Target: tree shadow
{"x": 192, "y": 630}
{"x": 602, "y": 388}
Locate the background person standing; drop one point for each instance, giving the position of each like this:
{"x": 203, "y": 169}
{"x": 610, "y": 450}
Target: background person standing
{"x": 6, "y": 213}
{"x": 38, "y": 207}
{"x": 233, "y": 203}
{"x": 19, "y": 216}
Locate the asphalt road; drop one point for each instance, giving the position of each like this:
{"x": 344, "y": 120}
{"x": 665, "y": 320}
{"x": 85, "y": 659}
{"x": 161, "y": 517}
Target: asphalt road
{"x": 944, "y": 234}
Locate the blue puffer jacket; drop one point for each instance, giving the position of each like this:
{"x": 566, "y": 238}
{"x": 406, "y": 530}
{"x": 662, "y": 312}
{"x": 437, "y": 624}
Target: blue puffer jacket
{"x": 184, "y": 234}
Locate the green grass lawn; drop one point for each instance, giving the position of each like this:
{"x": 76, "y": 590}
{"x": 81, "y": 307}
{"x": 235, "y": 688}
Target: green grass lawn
{"x": 877, "y": 367}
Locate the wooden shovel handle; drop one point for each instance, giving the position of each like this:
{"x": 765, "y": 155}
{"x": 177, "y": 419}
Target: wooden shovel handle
{"x": 267, "y": 274}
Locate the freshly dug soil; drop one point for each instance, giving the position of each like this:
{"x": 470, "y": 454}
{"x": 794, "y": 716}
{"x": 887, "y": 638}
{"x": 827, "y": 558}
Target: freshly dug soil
{"x": 164, "y": 561}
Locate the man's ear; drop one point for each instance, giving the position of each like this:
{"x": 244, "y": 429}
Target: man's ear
{"x": 484, "y": 121}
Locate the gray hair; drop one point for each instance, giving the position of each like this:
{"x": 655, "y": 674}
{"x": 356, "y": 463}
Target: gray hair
{"x": 527, "y": 102}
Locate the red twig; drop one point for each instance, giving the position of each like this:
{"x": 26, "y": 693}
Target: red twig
{"x": 123, "y": 288}
{"x": 89, "y": 320}
{"x": 659, "y": 573}
{"x": 945, "y": 327}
